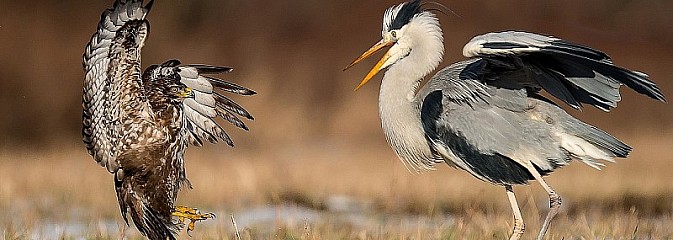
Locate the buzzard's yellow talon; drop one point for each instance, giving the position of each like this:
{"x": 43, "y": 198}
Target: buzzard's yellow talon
{"x": 183, "y": 213}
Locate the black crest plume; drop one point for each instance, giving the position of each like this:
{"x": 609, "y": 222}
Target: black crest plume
{"x": 407, "y": 11}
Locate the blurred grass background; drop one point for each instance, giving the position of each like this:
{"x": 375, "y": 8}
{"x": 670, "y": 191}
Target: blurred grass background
{"x": 313, "y": 138}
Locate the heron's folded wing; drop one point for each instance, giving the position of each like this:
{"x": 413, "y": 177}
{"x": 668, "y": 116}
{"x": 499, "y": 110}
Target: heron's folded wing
{"x": 100, "y": 112}
{"x": 209, "y": 102}
{"x": 485, "y": 131}
{"x": 493, "y": 131}
{"x": 573, "y": 73}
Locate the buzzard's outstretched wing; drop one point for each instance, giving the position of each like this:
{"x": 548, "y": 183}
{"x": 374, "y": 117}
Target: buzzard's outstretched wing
{"x": 208, "y": 104}
{"x": 99, "y": 82}
{"x": 201, "y": 111}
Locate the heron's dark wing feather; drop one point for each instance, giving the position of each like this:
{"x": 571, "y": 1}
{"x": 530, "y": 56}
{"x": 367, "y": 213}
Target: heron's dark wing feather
{"x": 573, "y": 73}
{"x": 102, "y": 99}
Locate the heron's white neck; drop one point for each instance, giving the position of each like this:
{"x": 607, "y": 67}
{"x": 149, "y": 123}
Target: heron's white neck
{"x": 398, "y": 107}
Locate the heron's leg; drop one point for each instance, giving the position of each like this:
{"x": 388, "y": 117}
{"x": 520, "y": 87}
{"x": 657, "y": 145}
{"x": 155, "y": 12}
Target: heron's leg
{"x": 519, "y": 226}
{"x": 193, "y": 214}
{"x": 554, "y": 202}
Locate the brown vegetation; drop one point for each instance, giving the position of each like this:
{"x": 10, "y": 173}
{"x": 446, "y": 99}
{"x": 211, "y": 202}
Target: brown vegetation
{"x": 631, "y": 197}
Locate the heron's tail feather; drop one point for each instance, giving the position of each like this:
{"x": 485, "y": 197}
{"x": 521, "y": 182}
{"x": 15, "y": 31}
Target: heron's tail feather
{"x": 590, "y": 144}
{"x": 150, "y": 222}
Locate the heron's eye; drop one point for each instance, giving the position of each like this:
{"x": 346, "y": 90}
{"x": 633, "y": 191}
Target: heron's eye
{"x": 394, "y": 34}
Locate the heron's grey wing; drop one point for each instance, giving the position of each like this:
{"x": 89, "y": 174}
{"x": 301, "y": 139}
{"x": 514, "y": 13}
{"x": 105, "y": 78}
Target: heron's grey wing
{"x": 100, "y": 138}
{"x": 573, "y": 73}
{"x": 208, "y": 103}
{"x": 493, "y": 132}
{"x": 481, "y": 128}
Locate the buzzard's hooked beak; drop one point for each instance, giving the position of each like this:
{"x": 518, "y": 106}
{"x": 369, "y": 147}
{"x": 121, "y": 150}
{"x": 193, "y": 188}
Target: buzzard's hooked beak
{"x": 188, "y": 93}
{"x": 374, "y": 49}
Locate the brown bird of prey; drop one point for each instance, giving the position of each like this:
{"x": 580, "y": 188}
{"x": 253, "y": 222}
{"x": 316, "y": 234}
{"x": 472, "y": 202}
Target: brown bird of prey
{"x": 138, "y": 124}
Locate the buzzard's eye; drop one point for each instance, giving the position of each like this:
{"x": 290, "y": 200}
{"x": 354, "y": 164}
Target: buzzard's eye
{"x": 174, "y": 90}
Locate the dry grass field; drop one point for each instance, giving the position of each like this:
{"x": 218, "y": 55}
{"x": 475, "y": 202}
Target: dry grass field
{"x": 340, "y": 191}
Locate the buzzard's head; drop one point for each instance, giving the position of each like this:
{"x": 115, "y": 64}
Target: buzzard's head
{"x": 163, "y": 85}
{"x": 178, "y": 92}
{"x": 167, "y": 93}
{"x": 172, "y": 92}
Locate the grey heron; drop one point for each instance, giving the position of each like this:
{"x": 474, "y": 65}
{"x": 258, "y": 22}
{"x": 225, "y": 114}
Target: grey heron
{"x": 486, "y": 115}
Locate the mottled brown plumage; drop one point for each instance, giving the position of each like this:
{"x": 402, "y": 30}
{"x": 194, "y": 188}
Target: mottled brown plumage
{"x": 138, "y": 124}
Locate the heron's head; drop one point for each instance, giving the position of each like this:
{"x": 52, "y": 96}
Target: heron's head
{"x": 133, "y": 33}
{"x": 405, "y": 26}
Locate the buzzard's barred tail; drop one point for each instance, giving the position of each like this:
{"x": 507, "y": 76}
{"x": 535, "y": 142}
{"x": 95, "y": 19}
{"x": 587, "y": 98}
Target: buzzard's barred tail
{"x": 150, "y": 222}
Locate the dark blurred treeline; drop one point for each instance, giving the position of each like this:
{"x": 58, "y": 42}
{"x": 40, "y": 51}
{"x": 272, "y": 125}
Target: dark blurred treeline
{"x": 292, "y": 53}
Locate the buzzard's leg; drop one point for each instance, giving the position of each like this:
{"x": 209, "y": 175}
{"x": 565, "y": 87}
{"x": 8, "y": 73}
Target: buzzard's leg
{"x": 193, "y": 214}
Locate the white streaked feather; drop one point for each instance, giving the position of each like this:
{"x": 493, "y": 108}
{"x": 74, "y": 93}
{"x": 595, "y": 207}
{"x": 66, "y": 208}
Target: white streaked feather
{"x": 101, "y": 140}
{"x": 198, "y": 119}
{"x": 202, "y": 109}
{"x": 198, "y": 133}
{"x": 124, "y": 17}
{"x": 200, "y": 84}
{"x": 189, "y": 72}
{"x": 206, "y": 124}
{"x": 206, "y": 99}
{"x": 191, "y": 138}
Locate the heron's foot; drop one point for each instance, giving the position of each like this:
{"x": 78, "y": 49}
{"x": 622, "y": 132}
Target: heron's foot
{"x": 518, "y": 230}
{"x": 192, "y": 214}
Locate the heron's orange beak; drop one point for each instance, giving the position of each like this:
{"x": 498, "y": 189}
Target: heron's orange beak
{"x": 377, "y": 47}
